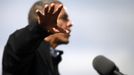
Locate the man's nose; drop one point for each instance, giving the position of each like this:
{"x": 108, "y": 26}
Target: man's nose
{"x": 69, "y": 24}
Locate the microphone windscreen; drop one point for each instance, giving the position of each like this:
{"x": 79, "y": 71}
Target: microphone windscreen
{"x": 103, "y": 65}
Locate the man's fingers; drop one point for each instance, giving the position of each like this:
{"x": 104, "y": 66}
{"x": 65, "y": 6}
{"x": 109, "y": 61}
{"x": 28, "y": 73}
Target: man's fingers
{"x": 46, "y": 9}
{"x": 39, "y": 16}
{"x": 39, "y": 13}
{"x": 57, "y": 12}
{"x": 51, "y": 8}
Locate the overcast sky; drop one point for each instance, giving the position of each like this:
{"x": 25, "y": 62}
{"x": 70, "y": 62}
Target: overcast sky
{"x": 101, "y": 27}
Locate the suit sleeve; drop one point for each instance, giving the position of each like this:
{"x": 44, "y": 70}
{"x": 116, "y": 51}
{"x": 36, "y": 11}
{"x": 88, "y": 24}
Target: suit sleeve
{"x": 19, "y": 51}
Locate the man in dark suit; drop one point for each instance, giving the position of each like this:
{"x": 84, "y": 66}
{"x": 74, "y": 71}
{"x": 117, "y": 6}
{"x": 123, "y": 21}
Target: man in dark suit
{"x": 31, "y": 50}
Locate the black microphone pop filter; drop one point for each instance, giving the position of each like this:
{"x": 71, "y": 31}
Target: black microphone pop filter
{"x": 104, "y": 66}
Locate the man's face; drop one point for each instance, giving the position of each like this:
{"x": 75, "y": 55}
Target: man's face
{"x": 65, "y": 24}
{"x": 60, "y": 31}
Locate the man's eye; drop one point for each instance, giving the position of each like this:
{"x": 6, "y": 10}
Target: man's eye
{"x": 65, "y": 17}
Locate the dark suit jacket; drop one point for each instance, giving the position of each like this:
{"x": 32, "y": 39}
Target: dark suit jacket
{"x": 27, "y": 54}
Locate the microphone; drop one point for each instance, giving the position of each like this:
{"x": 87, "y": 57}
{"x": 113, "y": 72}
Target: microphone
{"x": 104, "y": 66}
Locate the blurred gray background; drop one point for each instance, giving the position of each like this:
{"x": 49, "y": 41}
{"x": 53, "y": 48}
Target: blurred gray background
{"x": 101, "y": 27}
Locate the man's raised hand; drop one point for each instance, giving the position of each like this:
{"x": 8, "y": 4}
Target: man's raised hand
{"x": 47, "y": 19}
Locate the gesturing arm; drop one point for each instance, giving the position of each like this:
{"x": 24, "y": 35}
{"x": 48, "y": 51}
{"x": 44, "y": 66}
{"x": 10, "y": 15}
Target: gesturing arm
{"x": 19, "y": 50}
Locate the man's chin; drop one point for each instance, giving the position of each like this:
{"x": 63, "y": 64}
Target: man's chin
{"x": 63, "y": 42}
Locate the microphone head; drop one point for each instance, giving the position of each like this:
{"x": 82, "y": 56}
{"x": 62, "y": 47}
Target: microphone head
{"x": 103, "y": 65}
